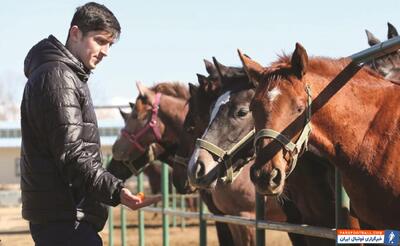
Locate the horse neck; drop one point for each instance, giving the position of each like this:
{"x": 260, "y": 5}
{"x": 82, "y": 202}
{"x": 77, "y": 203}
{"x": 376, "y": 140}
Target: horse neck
{"x": 172, "y": 111}
{"x": 341, "y": 123}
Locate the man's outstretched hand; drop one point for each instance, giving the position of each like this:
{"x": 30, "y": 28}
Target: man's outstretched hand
{"x": 134, "y": 202}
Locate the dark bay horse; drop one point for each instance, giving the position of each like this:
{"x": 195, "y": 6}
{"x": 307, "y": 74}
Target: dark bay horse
{"x": 356, "y": 128}
{"x": 305, "y": 201}
{"x": 388, "y": 65}
{"x": 161, "y": 117}
{"x": 238, "y": 197}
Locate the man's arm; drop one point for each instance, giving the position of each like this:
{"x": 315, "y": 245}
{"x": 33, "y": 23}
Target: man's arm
{"x": 63, "y": 125}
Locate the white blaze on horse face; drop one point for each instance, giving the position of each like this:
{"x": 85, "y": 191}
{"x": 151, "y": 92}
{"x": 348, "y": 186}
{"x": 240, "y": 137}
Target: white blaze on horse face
{"x": 273, "y": 94}
{"x": 223, "y": 99}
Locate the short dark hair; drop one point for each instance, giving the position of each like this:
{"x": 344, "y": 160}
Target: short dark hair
{"x": 96, "y": 17}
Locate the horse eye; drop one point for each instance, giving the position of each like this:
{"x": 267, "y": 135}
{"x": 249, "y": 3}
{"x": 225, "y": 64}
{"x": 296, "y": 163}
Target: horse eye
{"x": 300, "y": 109}
{"x": 242, "y": 112}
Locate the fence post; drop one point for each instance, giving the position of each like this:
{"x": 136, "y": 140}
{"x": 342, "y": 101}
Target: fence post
{"x": 123, "y": 226}
{"x": 260, "y": 212}
{"x": 183, "y": 224}
{"x": 106, "y": 162}
{"x": 203, "y": 224}
{"x": 165, "y": 201}
{"x": 173, "y": 206}
{"x": 140, "y": 212}
{"x": 110, "y": 226}
{"x": 342, "y": 205}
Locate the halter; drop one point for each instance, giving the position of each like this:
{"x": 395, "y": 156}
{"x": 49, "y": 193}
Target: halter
{"x": 181, "y": 160}
{"x": 294, "y": 149}
{"x": 150, "y": 125}
{"x": 227, "y": 156}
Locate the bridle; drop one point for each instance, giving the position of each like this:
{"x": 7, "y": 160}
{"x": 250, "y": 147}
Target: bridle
{"x": 226, "y": 156}
{"x": 181, "y": 160}
{"x": 294, "y": 149}
{"x": 151, "y": 125}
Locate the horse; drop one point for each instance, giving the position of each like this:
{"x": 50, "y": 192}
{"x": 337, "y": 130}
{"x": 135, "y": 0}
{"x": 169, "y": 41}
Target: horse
{"x": 157, "y": 118}
{"x": 232, "y": 124}
{"x": 312, "y": 102}
{"x": 235, "y": 198}
{"x": 388, "y": 65}
{"x": 194, "y": 124}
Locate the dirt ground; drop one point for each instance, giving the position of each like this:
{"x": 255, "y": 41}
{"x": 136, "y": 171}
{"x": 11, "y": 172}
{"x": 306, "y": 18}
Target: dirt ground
{"x": 14, "y": 231}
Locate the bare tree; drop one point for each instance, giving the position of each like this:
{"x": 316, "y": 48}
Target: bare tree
{"x": 11, "y": 89}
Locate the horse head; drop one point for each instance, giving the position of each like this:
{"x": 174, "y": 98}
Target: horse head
{"x": 201, "y": 98}
{"x": 124, "y": 169}
{"x": 280, "y": 109}
{"x": 157, "y": 117}
{"x": 217, "y": 153}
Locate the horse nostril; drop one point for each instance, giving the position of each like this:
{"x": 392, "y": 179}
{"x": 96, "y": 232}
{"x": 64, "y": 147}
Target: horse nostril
{"x": 201, "y": 168}
{"x": 275, "y": 178}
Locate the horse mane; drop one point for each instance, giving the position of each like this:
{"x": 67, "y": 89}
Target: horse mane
{"x": 175, "y": 89}
{"x": 319, "y": 65}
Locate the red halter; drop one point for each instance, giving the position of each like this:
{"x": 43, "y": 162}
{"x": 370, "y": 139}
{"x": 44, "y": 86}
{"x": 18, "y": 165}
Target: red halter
{"x": 152, "y": 124}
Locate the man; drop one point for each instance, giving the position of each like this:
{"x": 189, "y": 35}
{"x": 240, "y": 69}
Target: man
{"x": 62, "y": 180}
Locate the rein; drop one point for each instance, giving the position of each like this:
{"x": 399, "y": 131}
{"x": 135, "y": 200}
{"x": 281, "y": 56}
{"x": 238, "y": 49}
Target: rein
{"x": 294, "y": 149}
{"x": 151, "y": 125}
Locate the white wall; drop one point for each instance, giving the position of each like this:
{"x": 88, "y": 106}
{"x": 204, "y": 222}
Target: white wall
{"x": 8, "y": 169}
{"x": 8, "y": 166}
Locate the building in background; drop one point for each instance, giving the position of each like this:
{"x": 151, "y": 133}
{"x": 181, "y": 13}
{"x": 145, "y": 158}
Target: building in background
{"x": 10, "y": 146}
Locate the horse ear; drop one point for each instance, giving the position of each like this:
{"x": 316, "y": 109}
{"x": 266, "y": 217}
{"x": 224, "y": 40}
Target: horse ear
{"x": 392, "y": 32}
{"x": 193, "y": 89}
{"x": 222, "y": 69}
{"x": 132, "y": 105}
{"x": 252, "y": 68}
{"x": 211, "y": 69}
{"x": 372, "y": 40}
{"x": 145, "y": 92}
{"x": 124, "y": 115}
{"x": 201, "y": 79}
{"x": 299, "y": 60}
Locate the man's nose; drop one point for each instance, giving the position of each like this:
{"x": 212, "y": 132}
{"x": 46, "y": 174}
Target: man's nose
{"x": 104, "y": 49}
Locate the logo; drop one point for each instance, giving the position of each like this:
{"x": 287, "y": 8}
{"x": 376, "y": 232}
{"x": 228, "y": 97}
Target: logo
{"x": 387, "y": 237}
{"x": 391, "y": 237}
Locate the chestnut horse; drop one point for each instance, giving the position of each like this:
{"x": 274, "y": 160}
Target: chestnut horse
{"x": 301, "y": 102}
{"x": 157, "y": 118}
{"x": 232, "y": 122}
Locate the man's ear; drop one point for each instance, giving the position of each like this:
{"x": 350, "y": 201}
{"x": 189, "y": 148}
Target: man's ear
{"x": 75, "y": 34}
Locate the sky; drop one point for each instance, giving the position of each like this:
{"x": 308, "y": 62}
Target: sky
{"x": 168, "y": 40}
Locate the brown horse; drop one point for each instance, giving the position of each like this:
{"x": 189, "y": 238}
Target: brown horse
{"x": 231, "y": 123}
{"x": 159, "y": 120}
{"x": 355, "y": 125}
{"x": 238, "y": 197}
{"x": 388, "y": 65}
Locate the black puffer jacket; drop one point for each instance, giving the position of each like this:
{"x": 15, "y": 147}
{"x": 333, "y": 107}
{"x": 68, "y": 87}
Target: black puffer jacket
{"x": 62, "y": 178}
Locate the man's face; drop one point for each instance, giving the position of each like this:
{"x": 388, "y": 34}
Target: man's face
{"x": 91, "y": 48}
